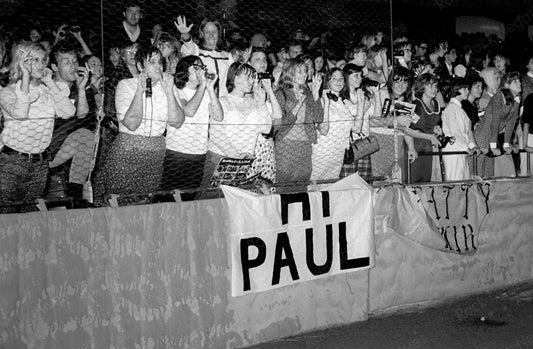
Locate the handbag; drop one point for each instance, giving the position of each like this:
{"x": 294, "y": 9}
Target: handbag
{"x": 364, "y": 146}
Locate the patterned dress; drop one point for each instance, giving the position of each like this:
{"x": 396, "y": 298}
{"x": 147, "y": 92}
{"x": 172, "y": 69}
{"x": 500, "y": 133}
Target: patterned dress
{"x": 328, "y": 152}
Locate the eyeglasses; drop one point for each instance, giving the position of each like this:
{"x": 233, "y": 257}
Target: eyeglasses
{"x": 199, "y": 66}
{"x": 423, "y": 47}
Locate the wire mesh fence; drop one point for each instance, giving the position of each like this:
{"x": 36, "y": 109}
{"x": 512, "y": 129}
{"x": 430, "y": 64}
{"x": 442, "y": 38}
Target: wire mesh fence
{"x": 135, "y": 98}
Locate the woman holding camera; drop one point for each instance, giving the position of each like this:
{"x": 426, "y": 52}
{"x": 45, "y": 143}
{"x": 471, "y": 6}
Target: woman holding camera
{"x": 334, "y": 132}
{"x": 246, "y": 117}
{"x": 187, "y": 145}
{"x": 301, "y": 111}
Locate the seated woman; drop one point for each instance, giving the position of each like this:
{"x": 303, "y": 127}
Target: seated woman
{"x": 495, "y": 129}
{"x": 246, "y": 117}
{"x": 187, "y": 145}
{"x": 455, "y": 123}
{"x": 145, "y": 106}
{"x": 334, "y": 132}
{"x": 29, "y": 105}
{"x": 423, "y": 131}
{"x": 301, "y": 111}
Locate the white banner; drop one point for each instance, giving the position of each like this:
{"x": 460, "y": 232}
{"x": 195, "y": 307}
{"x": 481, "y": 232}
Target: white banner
{"x": 283, "y": 239}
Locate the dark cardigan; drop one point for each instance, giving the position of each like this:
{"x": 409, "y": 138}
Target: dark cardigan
{"x": 314, "y": 113}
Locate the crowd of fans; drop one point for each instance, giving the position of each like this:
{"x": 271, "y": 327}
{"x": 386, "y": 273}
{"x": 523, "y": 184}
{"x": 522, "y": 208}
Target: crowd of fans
{"x": 170, "y": 106}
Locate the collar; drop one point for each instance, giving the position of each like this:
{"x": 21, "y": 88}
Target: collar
{"x": 203, "y": 48}
{"x": 530, "y": 74}
{"x": 455, "y": 101}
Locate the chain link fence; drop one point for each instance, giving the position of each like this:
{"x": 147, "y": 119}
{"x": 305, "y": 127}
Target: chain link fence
{"x": 75, "y": 126}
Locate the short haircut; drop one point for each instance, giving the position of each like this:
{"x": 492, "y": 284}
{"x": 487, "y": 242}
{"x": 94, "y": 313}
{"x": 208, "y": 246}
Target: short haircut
{"x": 131, "y": 4}
{"x": 235, "y": 70}
{"x": 62, "y": 48}
{"x": 145, "y": 52}
{"x": 421, "y": 82}
{"x": 15, "y": 73}
{"x": 456, "y": 85}
{"x": 181, "y": 77}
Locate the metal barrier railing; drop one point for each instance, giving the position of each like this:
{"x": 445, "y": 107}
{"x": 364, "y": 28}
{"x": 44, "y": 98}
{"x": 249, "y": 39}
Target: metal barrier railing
{"x": 440, "y": 154}
{"x": 201, "y": 193}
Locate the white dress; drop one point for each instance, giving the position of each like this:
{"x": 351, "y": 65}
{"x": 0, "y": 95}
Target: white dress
{"x": 456, "y": 123}
{"x": 328, "y": 152}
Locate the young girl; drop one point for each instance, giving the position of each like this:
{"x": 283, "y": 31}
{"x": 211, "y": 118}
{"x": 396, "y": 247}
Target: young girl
{"x": 301, "y": 110}
{"x": 334, "y": 131}
{"x": 455, "y": 123}
{"x": 428, "y": 109}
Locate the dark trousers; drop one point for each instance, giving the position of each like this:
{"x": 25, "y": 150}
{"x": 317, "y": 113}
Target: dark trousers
{"x": 21, "y": 181}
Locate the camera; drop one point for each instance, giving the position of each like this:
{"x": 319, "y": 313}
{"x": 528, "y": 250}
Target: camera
{"x": 209, "y": 76}
{"x": 265, "y": 76}
{"x": 332, "y": 96}
{"x": 445, "y": 140}
{"x": 370, "y": 83}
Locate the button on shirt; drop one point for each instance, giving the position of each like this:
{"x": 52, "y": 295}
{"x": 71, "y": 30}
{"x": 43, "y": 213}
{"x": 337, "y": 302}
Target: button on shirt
{"x": 155, "y": 108}
{"x": 29, "y": 117}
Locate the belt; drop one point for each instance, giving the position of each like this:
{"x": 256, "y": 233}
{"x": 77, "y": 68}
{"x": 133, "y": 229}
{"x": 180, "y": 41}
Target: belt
{"x": 26, "y": 156}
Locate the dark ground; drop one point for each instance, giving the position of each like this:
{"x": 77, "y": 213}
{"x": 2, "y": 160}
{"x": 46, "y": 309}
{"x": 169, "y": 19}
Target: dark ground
{"x": 501, "y": 319}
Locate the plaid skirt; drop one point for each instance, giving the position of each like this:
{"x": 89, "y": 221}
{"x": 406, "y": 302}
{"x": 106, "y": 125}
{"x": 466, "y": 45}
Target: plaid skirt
{"x": 363, "y": 166}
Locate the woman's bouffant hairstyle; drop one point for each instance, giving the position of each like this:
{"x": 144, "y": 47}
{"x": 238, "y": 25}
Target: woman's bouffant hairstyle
{"x": 421, "y": 82}
{"x": 235, "y": 70}
{"x": 286, "y": 80}
{"x": 15, "y": 73}
{"x": 181, "y": 77}
{"x": 400, "y": 74}
{"x": 456, "y": 86}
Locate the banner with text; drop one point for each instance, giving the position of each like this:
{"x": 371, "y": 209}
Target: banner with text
{"x": 280, "y": 240}
{"x": 444, "y": 217}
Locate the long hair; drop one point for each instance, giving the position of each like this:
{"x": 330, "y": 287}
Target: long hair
{"x": 237, "y": 69}
{"x": 348, "y": 70}
{"x": 286, "y": 80}
{"x": 15, "y": 73}
{"x": 328, "y": 76}
{"x": 181, "y": 77}
{"x": 217, "y": 24}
